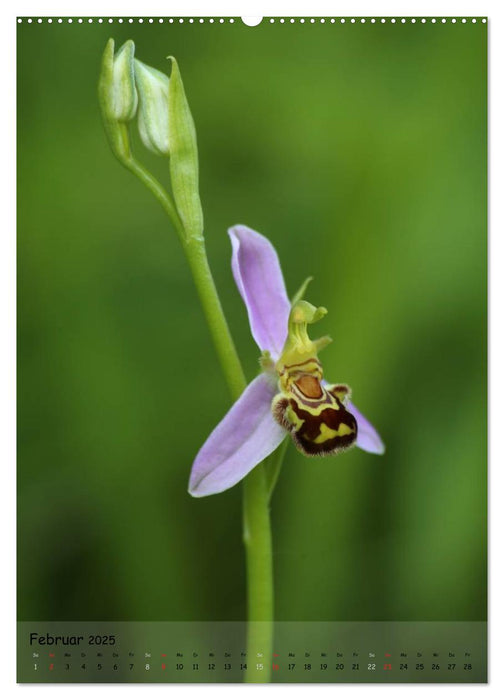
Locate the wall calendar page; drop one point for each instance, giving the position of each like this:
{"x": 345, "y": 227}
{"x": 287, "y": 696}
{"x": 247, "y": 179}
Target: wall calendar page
{"x": 251, "y": 351}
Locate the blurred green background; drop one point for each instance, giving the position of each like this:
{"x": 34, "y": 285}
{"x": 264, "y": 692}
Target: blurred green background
{"x": 360, "y": 151}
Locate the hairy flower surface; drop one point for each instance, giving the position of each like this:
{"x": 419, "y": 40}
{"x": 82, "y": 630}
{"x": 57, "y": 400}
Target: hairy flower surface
{"x": 290, "y": 395}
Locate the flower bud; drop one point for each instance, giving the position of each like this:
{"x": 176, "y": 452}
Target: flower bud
{"x": 118, "y": 95}
{"x": 153, "y": 118}
{"x": 117, "y": 82}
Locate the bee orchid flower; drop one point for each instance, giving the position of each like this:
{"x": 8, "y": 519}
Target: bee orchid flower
{"x": 290, "y": 395}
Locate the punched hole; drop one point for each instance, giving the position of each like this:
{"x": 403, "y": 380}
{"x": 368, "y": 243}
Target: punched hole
{"x": 251, "y": 21}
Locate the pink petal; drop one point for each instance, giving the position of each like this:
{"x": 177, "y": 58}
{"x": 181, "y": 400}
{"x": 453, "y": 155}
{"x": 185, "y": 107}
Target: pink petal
{"x": 245, "y": 436}
{"x": 367, "y": 436}
{"x": 259, "y": 279}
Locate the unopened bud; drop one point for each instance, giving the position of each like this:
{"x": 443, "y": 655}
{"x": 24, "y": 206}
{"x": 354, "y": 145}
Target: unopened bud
{"x": 117, "y": 82}
{"x": 118, "y": 95}
{"x": 153, "y": 117}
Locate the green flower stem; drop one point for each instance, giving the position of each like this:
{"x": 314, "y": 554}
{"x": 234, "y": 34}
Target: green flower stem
{"x": 209, "y": 298}
{"x": 256, "y": 487}
{"x": 257, "y": 540}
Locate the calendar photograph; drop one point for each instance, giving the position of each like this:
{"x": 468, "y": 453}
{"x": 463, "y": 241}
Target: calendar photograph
{"x": 252, "y": 349}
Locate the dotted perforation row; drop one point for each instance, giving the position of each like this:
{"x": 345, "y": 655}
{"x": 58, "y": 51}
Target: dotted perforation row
{"x": 131, "y": 20}
{"x": 231, "y": 20}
